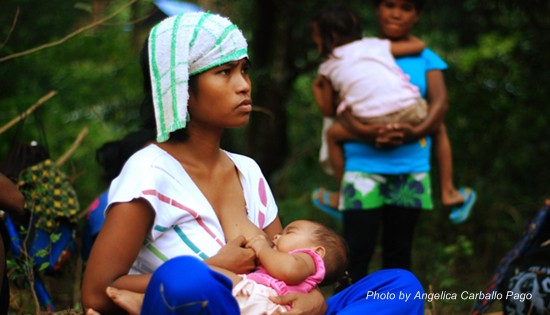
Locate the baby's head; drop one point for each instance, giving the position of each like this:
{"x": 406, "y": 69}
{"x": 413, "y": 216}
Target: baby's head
{"x": 334, "y": 26}
{"x": 323, "y": 240}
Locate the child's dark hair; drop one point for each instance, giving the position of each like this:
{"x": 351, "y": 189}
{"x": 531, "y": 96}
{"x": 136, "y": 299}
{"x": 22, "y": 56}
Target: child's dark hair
{"x": 337, "y": 25}
{"x": 336, "y": 252}
{"x": 418, "y": 4}
{"x": 112, "y": 155}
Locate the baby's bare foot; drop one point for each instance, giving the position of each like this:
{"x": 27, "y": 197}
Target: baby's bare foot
{"x": 127, "y": 300}
{"x": 91, "y": 311}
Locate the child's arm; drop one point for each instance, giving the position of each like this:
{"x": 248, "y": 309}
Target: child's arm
{"x": 324, "y": 95}
{"x": 409, "y": 46}
{"x": 292, "y": 269}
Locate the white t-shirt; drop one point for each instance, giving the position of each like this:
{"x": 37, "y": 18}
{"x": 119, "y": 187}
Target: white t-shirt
{"x": 367, "y": 78}
{"x": 185, "y": 223}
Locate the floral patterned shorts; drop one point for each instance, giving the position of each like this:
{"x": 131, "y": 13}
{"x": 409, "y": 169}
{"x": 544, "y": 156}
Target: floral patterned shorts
{"x": 370, "y": 191}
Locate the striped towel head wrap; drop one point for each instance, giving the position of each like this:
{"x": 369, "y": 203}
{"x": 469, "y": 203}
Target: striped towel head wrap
{"x": 179, "y": 47}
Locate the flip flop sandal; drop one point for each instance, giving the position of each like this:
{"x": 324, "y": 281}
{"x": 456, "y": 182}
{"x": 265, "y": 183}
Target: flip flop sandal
{"x": 324, "y": 204}
{"x": 460, "y": 213}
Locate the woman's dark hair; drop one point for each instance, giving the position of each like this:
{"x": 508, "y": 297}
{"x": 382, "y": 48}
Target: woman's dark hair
{"x": 337, "y": 25}
{"x": 21, "y": 156}
{"x": 112, "y": 155}
{"x": 147, "y": 110}
{"x": 418, "y": 4}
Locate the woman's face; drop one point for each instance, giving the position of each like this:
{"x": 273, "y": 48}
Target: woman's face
{"x": 223, "y": 96}
{"x": 396, "y": 18}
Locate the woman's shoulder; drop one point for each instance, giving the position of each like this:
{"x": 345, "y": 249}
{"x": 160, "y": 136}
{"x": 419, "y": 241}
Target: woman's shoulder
{"x": 148, "y": 163}
{"x": 434, "y": 59}
{"x": 246, "y": 165}
{"x": 425, "y": 61}
{"x": 428, "y": 53}
{"x": 147, "y": 155}
{"x": 242, "y": 161}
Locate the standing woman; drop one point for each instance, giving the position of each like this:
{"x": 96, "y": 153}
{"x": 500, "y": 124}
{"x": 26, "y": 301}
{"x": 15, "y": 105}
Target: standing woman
{"x": 387, "y": 183}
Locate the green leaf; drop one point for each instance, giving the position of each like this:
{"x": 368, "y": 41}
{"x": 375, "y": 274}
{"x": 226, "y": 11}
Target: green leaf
{"x": 44, "y": 266}
{"x": 42, "y": 253}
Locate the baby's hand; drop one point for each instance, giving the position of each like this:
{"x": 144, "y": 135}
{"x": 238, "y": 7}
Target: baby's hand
{"x": 258, "y": 242}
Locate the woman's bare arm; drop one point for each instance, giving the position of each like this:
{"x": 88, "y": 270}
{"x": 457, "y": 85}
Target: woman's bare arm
{"x": 11, "y": 199}
{"x": 366, "y": 132}
{"x": 114, "y": 251}
{"x": 437, "y": 106}
{"x": 397, "y": 134}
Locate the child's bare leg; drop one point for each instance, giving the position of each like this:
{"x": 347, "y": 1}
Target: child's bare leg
{"x": 337, "y": 134}
{"x": 449, "y": 193}
{"x": 129, "y": 301}
{"x": 132, "y": 302}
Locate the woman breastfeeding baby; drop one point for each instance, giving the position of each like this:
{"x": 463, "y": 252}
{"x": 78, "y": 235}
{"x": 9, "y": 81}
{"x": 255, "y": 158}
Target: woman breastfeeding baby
{"x": 187, "y": 220}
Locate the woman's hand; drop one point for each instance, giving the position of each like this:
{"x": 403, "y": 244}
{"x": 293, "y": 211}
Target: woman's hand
{"x": 235, "y": 257}
{"x": 379, "y": 135}
{"x": 366, "y": 132}
{"x": 312, "y": 303}
{"x": 395, "y": 134}
{"x": 389, "y": 135}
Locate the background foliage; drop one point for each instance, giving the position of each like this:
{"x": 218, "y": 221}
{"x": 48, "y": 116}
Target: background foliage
{"x": 498, "y": 120}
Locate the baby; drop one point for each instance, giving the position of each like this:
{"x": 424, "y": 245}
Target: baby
{"x": 304, "y": 255}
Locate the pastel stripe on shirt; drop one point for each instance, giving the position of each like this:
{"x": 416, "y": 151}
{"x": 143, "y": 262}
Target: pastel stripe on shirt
{"x": 196, "y": 249}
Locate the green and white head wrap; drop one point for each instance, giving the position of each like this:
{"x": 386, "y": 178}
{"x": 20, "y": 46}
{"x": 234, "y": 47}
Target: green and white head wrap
{"x": 179, "y": 47}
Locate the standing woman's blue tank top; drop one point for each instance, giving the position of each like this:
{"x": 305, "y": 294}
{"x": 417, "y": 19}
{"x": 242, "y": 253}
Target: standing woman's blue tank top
{"x": 408, "y": 158}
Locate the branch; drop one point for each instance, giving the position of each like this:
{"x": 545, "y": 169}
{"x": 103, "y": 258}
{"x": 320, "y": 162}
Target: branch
{"x": 60, "y": 161}
{"x": 136, "y": 21}
{"x": 12, "y": 28}
{"x": 69, "y": 36}
{"x": 28, "y": 111}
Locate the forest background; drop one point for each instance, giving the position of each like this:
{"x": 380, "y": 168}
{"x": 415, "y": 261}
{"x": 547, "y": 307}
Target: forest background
{"x": 498, "y": 80}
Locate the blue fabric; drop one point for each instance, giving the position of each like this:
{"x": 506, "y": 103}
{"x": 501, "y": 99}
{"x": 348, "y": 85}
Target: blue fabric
{"x": 96, "y": 216}
{"x": 383, "y": 292}
{"x": 416, "y": 67}
{"x": 185, "y": 285}
{"x": 189, "y": 286}
{"x": 93, "y": 223}
{"x": 408, "y": 158}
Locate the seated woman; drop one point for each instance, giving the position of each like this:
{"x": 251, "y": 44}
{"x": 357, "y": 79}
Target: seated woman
{"x": 12, "y": 202}
{"x": 185, "y": 196}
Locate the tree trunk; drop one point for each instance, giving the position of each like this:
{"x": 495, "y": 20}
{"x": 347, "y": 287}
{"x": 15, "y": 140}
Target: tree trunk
{"x": 267, "y": 131}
